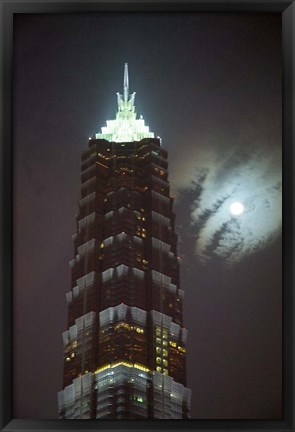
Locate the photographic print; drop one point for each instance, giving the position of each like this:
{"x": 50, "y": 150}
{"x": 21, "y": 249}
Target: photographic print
{"x": 147, "y": 201}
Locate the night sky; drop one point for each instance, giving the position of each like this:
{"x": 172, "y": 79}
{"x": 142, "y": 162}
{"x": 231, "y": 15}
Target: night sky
{"x": 210, "y": 86}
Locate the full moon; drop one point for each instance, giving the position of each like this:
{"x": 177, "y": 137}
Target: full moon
{"x": 236, "y": 208}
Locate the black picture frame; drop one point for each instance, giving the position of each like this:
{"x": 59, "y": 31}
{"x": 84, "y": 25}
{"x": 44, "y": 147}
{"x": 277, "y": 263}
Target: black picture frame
{"x": 8, "y": 9}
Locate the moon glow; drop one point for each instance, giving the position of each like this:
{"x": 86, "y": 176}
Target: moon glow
{"x": 236, "y": 208}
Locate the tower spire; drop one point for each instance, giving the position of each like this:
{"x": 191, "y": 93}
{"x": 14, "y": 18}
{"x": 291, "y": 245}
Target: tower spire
{"x": 126, "y": 101}
{"x": 126, "y": 83}
{"x": 126, "y": 127}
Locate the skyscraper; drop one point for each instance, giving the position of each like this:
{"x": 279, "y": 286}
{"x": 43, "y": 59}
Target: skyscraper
{"x": 124, "y": 349}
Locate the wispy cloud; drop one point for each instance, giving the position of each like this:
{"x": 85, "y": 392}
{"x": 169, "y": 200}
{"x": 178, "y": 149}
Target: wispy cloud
{"x": 249, "y": 175}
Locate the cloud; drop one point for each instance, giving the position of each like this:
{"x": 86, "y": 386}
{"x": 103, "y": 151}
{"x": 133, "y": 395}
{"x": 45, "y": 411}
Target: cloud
{"x": 253, "y": 178}
{"x": 250, "y": 175}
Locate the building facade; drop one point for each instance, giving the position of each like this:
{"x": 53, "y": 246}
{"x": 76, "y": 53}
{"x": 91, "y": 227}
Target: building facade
{"x": 125, "y": 346}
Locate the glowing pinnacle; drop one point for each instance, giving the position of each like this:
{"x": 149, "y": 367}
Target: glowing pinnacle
{"x": 126, "y": 83}
{"x": 126, "y": 127}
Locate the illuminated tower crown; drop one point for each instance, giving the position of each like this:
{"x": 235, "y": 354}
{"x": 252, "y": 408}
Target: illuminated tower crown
{"x": 126, "y": 127}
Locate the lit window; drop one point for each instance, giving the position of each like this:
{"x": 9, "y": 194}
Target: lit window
{"x": 165, "y": 362}
{"x": 165, "y": 343}
{"x": 158, "y": 341}
{"x": 158, "y": 350}
{"x": 158, "y": 369}
{"x": 165, "y": 353}
{"x": 165, "y": 371}
{"x": 159, "y": 360}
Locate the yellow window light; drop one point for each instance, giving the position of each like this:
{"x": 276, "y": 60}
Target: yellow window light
{"x": 141, "y": 367}
{"x": 123, "y": 363}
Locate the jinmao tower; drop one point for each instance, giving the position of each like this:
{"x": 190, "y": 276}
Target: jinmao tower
{"x": 125, "y": 344}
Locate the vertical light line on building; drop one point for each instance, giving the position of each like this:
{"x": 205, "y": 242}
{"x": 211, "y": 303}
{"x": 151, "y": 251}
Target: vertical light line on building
{"x": 86, "y": 240}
